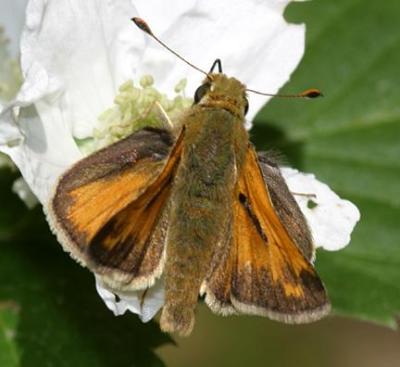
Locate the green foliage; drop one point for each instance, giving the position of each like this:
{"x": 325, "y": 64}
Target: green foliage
{"x": 350, "y": 140}
{"x": 9, "y": 355}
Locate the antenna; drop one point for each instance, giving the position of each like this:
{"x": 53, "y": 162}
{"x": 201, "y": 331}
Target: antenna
{"x": 308, "y": 93}
{"x": 217, "y": 64}
{"x": 140, "y": 23}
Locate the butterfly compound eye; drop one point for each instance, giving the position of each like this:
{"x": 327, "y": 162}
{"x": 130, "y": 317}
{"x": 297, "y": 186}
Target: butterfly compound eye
{"x": 246, "y": 106}
{"x": 201, "y": 92}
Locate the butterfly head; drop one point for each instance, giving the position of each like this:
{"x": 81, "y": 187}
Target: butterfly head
{"x": 221, "y": 91}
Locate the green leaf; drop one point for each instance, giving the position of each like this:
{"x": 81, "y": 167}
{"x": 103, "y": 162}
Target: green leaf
{"x": 50, "y": 313}
{"x": 351, "y": 140}
{"x": 8, "y": 325}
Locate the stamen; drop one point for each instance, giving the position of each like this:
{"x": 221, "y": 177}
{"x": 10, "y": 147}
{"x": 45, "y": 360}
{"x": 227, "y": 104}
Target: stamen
{"x": 136, "y": 107}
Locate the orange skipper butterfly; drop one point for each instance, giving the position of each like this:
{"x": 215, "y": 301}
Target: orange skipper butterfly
{"x": 197, "y": 205}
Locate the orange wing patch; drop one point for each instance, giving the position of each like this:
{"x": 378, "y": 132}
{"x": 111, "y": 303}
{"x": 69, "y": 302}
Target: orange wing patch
{"x": 112, "y": 216}
{"x": 94, "y": 204}
{"x": 132, "y": 241}
{"x": 264, "y": 272}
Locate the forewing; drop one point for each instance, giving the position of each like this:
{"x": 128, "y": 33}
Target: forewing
{"x": 264, "y": 271}
{"x": 108, "y": 209}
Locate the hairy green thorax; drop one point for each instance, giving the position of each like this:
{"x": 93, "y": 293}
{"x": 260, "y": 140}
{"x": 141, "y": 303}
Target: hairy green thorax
{"x": 214, "y": 148}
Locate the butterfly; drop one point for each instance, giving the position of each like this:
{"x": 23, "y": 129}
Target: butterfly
{"x": 197, "y": 205}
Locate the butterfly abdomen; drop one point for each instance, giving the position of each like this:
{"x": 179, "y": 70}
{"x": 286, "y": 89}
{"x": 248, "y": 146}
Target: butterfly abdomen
{"x": 200, "y": 211}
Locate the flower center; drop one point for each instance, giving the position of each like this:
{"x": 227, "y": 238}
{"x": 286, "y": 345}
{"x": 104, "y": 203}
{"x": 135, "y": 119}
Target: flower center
{"x": 136, "y": 107}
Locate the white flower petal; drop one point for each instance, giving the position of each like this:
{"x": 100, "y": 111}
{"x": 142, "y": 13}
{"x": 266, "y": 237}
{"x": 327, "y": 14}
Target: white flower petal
{"x": 80, "y": 47}
{"x": 143, "y": 303}
{"x": 153, "y": 301}
{"x": 111, "y": 302}
{"x": 41, "y": 148}
{"x": 332, "y": 220}
{"x": 22, "y": 189}
{"x": 9, "y": 131}
{"x": 252, "y": 38}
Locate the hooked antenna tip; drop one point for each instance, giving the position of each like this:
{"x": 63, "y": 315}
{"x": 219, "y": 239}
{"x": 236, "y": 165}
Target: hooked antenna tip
{"x": 140, "y": 23}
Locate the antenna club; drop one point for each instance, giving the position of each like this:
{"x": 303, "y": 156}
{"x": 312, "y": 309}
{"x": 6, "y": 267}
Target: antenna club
{"x": 311, "y": 93}
{"x": 140, "y": 23}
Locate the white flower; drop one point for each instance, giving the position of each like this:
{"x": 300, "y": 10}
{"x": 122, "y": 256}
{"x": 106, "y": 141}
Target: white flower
{"x": 75, "y": 54}
{"x": 331, "y": 219}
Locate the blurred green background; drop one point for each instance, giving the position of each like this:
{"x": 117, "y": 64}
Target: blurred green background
{"x": 50, "y": 314}
{"x": 254, "y": 341}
